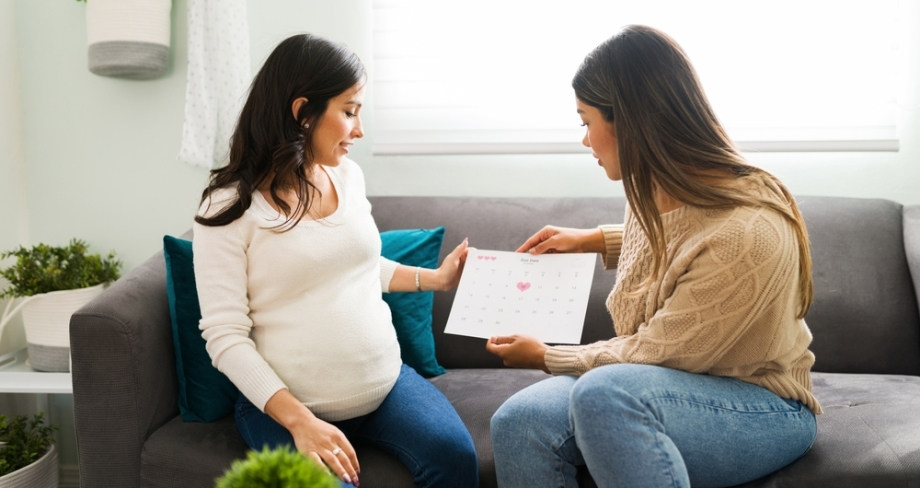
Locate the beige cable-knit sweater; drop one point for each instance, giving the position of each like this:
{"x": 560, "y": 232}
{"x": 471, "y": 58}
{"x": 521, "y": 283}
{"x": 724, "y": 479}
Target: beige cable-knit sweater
{"x": 726, "y": 305}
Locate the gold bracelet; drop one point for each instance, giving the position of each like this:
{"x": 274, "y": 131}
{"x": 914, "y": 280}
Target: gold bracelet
{"x": 418, "y": 284}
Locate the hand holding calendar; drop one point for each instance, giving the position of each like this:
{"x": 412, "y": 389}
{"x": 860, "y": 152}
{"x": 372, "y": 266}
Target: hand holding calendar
{"x": 504, "y": 293}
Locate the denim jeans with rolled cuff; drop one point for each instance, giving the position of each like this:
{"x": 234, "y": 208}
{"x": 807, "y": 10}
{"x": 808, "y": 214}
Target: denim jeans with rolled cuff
{"x": 643, "y": 426}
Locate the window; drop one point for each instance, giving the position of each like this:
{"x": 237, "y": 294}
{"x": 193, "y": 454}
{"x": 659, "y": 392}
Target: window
{"x": 494, "y": 76}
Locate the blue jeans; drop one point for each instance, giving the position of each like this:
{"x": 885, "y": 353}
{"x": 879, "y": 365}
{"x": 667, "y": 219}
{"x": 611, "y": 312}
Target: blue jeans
{"x": 416, "y": 424}
{"x": 642, "y": 426}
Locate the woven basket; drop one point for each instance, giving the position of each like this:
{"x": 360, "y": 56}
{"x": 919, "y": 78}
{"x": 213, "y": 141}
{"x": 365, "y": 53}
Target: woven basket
{"x": 128, "y": 38}
{"x": 46, "y": 320}
{"x": 40, "y": 474}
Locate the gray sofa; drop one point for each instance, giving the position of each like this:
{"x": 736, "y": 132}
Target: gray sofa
{"x": 865, "y": 322}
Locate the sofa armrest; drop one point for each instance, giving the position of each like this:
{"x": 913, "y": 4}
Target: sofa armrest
{"x": 124, "y": 377}
{"x": 912, "y": 244}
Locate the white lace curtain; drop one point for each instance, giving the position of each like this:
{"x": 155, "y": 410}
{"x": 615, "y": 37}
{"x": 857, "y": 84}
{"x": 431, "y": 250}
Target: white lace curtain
{"x": 219, "y": 74}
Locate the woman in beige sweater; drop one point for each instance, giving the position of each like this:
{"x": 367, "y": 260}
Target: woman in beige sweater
{"x": 708, "y": 379}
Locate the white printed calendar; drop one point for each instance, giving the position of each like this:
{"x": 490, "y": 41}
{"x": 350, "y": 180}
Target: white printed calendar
{"x": 504, "y": 293}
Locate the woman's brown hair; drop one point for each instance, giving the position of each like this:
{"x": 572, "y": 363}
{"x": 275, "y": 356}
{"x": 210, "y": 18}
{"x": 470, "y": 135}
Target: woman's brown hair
{"x": 668, "y": 136}
{"x": 268, "y": 141}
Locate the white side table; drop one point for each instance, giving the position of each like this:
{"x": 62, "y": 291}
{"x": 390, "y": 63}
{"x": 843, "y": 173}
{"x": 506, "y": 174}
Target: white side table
{"x": 18, "y": 377}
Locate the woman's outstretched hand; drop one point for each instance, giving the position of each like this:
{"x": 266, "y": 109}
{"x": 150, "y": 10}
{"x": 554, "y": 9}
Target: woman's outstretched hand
{"x": 519, "y": 351}
{"x": 563, "y": 239}
{"x": 448, "y": 274}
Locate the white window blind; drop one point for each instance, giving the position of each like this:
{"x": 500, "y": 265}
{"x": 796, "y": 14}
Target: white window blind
{"x": 478, "y": 76}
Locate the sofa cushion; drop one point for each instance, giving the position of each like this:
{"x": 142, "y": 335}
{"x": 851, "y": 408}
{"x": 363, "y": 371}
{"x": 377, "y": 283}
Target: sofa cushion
{"x": 205, "y": 394}
{"x": 412, "y": 311}
{"x": 864, "y": 318}
{"x": 476, "y": 394}
{"x": 867, "y": 436}
{"x": 190, "y": 454}
{"x": 193, "y": 454}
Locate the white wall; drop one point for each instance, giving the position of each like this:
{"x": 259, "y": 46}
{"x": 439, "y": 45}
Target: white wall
{"x": 100, "y": 153}
{"x": 13, "y": 224}
{"x": 13, "y": 216}
{"x": 95, "y": 158}
{"x": 12, "y": 197}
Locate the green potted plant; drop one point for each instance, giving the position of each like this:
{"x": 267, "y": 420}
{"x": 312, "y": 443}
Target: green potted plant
{"x": 281, "y": 467}
{"x": 54, "y": 282}
{"x": 27, "y": 454}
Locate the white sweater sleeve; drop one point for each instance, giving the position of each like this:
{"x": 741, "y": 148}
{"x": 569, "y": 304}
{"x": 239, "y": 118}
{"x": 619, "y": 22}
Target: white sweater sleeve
{"x": 220, "y": 274}
{"x": 387, "y": 268}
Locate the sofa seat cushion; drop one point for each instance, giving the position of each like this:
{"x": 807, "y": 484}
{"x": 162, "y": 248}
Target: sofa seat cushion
{"x": 867, "y": 436}
{"x": 476, "y": 394}
{"x": 194, "y": 454}
{"x": 190, "y": 453}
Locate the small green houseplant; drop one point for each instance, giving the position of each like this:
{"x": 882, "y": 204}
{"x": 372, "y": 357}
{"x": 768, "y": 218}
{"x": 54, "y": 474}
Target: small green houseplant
{"x": 23, "y": 443}
{"x": 43, "y": 268}
{"x": 282, "y": 467}
{"x": 53, "y": 282}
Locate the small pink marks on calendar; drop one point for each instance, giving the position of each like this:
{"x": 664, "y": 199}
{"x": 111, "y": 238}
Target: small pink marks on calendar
{"x": 549, "y": 303}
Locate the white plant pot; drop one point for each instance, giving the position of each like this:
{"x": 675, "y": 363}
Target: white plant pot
{"x": 40, "y": 474}
{"x": 128, "y": 38}
{"x": 46, "y": 320}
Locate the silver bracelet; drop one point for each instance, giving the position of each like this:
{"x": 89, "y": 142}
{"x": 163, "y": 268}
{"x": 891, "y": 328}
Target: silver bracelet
{"x": 418, "y": 284}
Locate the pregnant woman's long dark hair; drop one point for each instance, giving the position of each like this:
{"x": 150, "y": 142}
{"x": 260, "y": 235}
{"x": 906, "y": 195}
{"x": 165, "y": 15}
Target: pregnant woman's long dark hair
{"x": 268, "y": 141}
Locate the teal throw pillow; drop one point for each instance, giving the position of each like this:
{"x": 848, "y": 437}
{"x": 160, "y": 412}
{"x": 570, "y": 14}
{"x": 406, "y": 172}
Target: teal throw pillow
{"x": 205, "y": 394}
{"x": 412, "y": 311}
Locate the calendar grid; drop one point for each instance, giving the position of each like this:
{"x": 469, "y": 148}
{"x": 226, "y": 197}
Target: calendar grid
{"x": 504, "y": 293}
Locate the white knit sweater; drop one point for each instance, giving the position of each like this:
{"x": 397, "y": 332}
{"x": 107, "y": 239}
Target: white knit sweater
{"x": 300, "y": 309}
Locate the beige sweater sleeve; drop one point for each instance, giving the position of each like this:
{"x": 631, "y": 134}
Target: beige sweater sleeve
{"x": 613, "y": 243}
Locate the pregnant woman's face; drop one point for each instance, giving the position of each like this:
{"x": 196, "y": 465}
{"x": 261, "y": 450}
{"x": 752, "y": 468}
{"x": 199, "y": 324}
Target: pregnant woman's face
{"x": 339, "y": 127}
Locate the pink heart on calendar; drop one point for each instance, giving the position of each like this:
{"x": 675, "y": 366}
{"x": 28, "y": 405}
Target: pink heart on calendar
{"x": 523, "y": 286}
{"x": 492, "y": 258}
{"x": 478, "y": 257}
